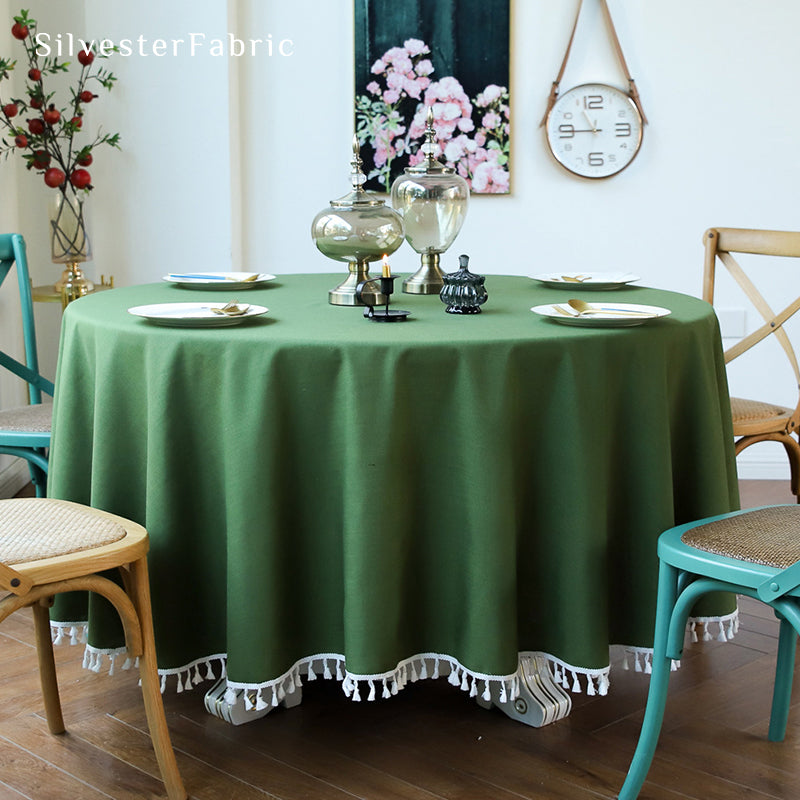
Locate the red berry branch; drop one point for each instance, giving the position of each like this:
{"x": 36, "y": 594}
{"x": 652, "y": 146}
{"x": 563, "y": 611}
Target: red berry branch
{"x": 40, "y": 131}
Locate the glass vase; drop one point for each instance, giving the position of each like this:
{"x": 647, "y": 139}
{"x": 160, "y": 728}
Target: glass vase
{"x": 69, "y": 242}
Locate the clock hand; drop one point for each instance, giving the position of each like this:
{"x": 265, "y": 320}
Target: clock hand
{"x": 593, "y": 124}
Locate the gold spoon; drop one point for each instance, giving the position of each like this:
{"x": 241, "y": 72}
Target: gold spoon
{"x": 582, "y": 307}
{"x": 232, "y": 309}
{"x": 575, "y": 279}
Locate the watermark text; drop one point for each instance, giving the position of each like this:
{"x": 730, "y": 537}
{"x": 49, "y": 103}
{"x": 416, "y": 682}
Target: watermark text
{"x": 67, "y": 46}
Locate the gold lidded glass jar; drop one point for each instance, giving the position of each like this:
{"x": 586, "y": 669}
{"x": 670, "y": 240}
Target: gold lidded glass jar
{"x": 357, "y": 228}
{"x": 433, "y": 200}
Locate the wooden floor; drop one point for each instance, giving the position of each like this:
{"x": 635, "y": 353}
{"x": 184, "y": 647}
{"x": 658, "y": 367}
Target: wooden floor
{"x": 429, "y": 742}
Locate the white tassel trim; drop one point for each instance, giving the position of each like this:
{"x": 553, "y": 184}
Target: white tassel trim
{"x": 195, "y": 672}
{"x": 371, "y": 687}
{"x": 76, "y": 631}
{"x": 260, "y": 696}
{"x": 723, "y": 629}
{"x": 569, "y": 676}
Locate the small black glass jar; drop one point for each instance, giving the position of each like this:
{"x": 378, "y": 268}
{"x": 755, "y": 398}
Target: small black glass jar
{"x": 463, "y": 292}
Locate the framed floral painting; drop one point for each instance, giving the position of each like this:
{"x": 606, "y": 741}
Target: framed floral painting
{"x": 452, "y": 55}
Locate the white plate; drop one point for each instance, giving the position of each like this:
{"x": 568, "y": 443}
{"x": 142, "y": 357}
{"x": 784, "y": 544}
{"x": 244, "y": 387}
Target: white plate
{"x": 192, "y": 315}
{"x": 617, "y": 315}
{"x": 216, "y": 280}
{"x": 586, "y": 280}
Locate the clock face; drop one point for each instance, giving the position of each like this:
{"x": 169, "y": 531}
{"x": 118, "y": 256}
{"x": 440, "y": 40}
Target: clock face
{"x": 594, "y": 130}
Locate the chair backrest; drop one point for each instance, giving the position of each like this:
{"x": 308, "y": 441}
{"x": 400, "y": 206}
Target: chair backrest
{"x": 720, "y": 243}
{"x": 12, "y": 250}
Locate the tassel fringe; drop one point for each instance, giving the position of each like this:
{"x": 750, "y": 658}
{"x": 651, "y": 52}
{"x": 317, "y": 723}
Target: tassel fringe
{"x": 721, "y": 629}
{"x": 264, "y": 696}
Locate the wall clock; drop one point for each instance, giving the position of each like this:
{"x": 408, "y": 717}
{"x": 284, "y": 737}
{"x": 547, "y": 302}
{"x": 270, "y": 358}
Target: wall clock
{"x": 594, "y": 130}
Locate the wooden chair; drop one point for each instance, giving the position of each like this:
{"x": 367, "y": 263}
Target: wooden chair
{"x": 25, "y": 431}
{"x": 754, "y": 553}
{"x": 755, "y": 420}
{"x": 52, "y": 546}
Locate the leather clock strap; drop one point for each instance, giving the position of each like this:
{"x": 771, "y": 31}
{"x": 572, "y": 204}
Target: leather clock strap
{"x": 633, "y": 91}
{"x": 551, "y": 101}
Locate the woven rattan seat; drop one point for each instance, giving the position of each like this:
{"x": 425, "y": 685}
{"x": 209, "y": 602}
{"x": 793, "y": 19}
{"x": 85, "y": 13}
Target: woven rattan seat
{"x": 748, "y": 411}
{"x": 31, "y": 530}
{"x": 34, "y": 419}
{"x": 768, "y": 536}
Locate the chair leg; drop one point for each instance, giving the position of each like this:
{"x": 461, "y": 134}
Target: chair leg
{"x": 792, "y": 447}
{"x": 784, "y": 673}
{"x": 151, "y": 687}
{"x": 38, "y": 479}
{"x": 47, "y": 668}
{"x": 659, "y": 681}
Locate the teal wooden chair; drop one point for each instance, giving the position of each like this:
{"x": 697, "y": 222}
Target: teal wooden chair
{"x": 754, "y": 553}
{"x": 25, "y": 431}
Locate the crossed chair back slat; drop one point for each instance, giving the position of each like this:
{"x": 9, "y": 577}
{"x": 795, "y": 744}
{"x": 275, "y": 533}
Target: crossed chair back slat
{"x": 12, "y": 251}
{"x": 720, "y": 243}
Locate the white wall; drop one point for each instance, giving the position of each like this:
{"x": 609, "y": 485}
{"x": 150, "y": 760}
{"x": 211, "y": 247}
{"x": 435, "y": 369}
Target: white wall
{"x": 225, "y": 155}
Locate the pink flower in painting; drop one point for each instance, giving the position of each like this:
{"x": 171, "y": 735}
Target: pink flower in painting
{"x": 414, "y": 86}
{"x": 415, "y": 47}
{"x": 451, "y": 109}
{"x": 490, "y": 120}
{"x": 465, "y": 125}
{"x": 403, "y": 75}
{"x": 472, "y": 135}
{"x": 489, "y": 178}
{"x": 491, "y": 93}
{"x": 399, "y": 59}
{"x": 394, "y": 80}
{"x": 454, "y": 150}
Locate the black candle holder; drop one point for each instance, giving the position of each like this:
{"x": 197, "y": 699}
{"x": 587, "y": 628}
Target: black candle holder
{"x": 368, "y": 295}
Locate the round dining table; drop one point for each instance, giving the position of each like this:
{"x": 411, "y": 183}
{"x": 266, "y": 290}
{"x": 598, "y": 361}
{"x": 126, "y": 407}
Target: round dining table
{"x": 476, "y": 497}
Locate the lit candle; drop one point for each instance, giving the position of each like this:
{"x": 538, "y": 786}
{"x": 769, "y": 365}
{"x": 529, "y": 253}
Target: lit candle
{"x": 387, "y": 272}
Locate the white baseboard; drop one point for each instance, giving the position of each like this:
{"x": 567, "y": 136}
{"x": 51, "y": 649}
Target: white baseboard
{"x": 762, "y": 469}
{"x": 15, "y": 477}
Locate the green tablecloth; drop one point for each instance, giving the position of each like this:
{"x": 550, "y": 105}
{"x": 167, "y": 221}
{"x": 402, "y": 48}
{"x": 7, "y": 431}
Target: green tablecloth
{"x": 318, "y": 484}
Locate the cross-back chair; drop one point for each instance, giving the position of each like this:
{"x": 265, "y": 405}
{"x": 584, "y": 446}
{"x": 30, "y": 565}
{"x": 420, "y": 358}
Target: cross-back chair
{"x": 25, "y": 430}
{"x": 52, "y": 546}
{"x": 754, "y": 553}
{"x": 756, "y": 420}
